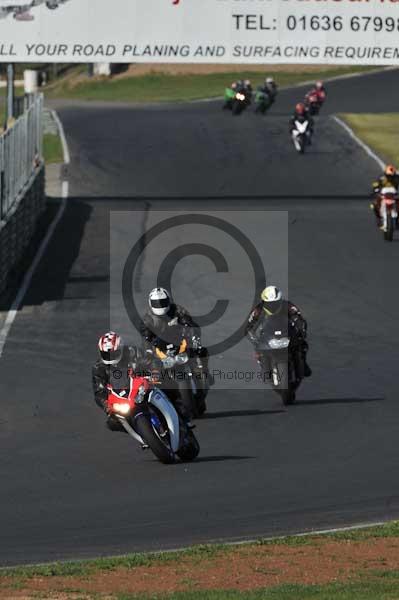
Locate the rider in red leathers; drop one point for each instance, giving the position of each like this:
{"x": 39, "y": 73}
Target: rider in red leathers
{"x": 318, "y": 92}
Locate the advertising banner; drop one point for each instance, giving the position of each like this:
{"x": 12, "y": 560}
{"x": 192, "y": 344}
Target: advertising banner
{"x": 207, "y": 31}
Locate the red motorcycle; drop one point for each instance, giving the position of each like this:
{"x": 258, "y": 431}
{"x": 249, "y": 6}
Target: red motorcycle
{"x": 314, "y": 101}
{"x": 388, "y": 211}
{"x": 148, "y": 416}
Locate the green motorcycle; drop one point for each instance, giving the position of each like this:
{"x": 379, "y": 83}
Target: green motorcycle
{"x": 234, "y": 100}
{"x": 263, "y": 101}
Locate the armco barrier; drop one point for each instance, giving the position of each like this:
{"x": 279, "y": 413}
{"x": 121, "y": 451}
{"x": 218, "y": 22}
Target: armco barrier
{"x": 17, "y": 230}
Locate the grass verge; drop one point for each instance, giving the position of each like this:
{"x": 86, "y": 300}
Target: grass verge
{"x": 367, "y": 590}
{"x": 157, "y": 87}
{"x": 379, "y": 131}
{"x": 354, "y": 564}
{"x": 52, "y": 149}
{"x": 195, "y": 553}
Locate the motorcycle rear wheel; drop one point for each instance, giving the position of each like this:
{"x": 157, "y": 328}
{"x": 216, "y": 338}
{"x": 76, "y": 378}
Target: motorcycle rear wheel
{"x": 190, "y": 449}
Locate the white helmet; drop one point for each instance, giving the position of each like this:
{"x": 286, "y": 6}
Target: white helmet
{"x": 272, "y": 299}
{"x": 159, "y": 301}
{"x": 270, "y": 80}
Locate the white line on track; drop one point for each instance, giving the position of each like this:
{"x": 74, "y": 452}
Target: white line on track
{"x": 237, "y": 542}
{"x": 67, "y": 156}
{"x": 366, "y": 148}
{"x": 16, "y": 305}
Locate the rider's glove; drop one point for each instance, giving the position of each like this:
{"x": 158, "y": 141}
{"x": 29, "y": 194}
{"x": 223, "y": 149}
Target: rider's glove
{"x": 196, "y": 343}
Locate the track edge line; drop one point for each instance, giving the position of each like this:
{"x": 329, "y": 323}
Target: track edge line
{"x": 360, "y": 142}
{"x": 24, "y": 287}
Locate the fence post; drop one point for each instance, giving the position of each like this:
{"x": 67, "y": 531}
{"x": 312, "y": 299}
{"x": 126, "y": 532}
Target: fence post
{"x": 10, "y": 92}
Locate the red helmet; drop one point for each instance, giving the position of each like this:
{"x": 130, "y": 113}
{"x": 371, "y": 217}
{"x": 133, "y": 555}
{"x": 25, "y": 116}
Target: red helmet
{"x": 390, "y": 170}
{"x": 110, "y": 347}
{"x": 300, "y": 108}
{"x": 319, "y": 85}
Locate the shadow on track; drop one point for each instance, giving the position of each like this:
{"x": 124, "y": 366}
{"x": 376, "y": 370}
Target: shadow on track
{"x": 240, "y": 413}
{"x": 323, "y": 401}
{"x": 55, "y": 267}
{"x": 206, "y": 459}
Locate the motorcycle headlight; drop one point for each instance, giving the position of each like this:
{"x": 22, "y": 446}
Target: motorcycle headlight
{"x": 279, "y": 343}
{"x": 240, "y": 96}
{"x": 182, "y": 358}
{"x": 122, "y": 408}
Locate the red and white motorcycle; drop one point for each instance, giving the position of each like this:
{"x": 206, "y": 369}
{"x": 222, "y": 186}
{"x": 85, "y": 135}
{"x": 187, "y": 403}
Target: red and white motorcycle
{"x": 388, "y": 202}
{"x": 148, "y": 416}
{"x": 314, "y": 101}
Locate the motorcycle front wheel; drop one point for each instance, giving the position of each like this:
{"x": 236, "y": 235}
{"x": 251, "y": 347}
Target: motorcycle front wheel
{"x": 285, "y": 387}
{"x": 237, "y": 108}
{"x": 388, "y": 234}
{"x": 144, "y": 428}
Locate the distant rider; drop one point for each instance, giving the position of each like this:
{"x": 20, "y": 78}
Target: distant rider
{"x": 319, "y": 91}
{"x": 248, "y": 87}
{"x": 389, "y": 178}
{"x": 301, "y": 115}
{"x": 243, "y": 87}
{"x": 270, "y": 87}
{"x": 273, "y": 303}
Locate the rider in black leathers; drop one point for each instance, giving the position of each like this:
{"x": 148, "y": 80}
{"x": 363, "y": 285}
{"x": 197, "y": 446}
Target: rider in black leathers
{"x": 272, "y": 303}
{"x": 167, "y": 323}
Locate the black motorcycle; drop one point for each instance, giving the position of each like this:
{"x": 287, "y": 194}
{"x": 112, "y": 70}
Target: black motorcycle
{"x": 182, "y": 370}
{"x": 279, "y": 348}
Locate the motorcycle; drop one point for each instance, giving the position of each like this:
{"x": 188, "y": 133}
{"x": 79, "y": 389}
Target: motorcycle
{"x": 263, "y": 101}
{"x": 279, "y": 351}
{"x": 388, "y": 212}
{"x": 300, "y": 136}
{"x": 177, "y": 361}
{"x": 235, "y": 100}
{"x": 314, "y": 102}
{"x": 148, "y": 416}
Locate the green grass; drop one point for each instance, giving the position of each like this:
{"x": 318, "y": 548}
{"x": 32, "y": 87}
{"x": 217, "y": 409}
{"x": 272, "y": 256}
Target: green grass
{"x": 379, "y": 131}
{"x": 162, "y": 88}
{"x": 367, "y": 590}
{"x": 52, "y": 149}
{"x": 197, "y": 553}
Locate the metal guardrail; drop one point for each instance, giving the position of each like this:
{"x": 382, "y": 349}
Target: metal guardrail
{"x": 21, "y": 150}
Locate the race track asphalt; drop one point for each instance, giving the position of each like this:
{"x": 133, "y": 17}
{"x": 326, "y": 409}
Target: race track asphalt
{"x": 71, "y": 489}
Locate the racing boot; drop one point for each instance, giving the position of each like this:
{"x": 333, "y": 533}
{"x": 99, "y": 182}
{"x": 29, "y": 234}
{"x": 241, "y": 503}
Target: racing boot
{"x": 114, "y": 424}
